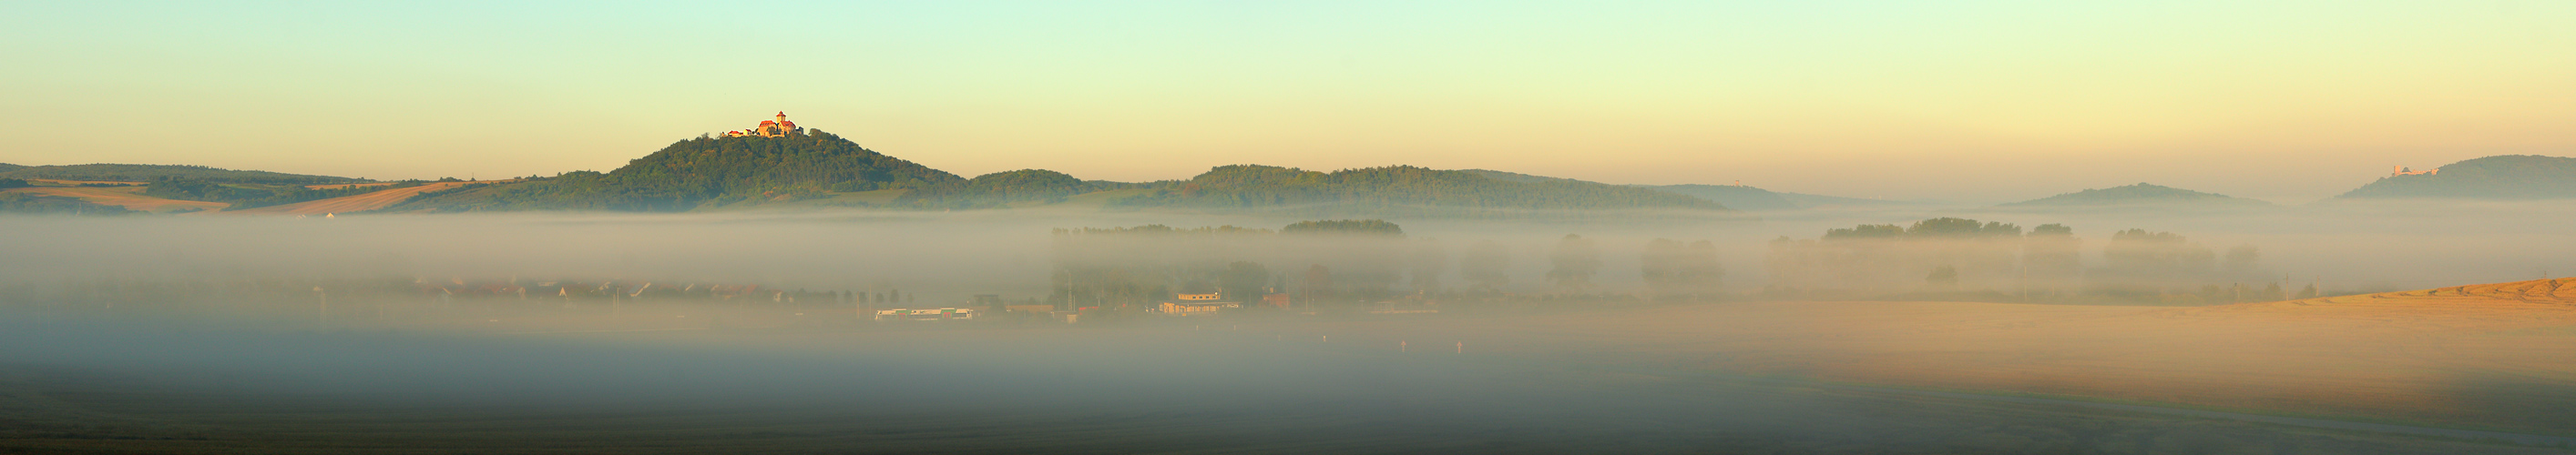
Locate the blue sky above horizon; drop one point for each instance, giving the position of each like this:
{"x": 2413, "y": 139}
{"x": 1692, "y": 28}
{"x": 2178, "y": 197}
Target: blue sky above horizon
{"x": 1972, "y": 101}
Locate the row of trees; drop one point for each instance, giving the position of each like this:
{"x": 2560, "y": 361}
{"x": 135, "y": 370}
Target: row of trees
{"x": 1338, "y": 261}
{"x": 1944, "y": 255}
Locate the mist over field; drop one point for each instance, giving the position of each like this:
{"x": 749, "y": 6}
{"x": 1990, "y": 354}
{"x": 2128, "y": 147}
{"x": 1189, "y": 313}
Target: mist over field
{"x": 199, "y": 333}
{"x": 947, "y": 256}
{"x": 1288, "y": 227}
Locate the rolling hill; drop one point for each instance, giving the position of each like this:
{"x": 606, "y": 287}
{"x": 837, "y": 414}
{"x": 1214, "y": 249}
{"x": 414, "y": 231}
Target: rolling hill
{"x": 1002, "y": 189}
{"x": 2140, "y": 195}
{"x": 361, "y": 202}
{"x": 150, "y": 172}
{"x": 127, "y": 197}
{"x": 2508, "y": 177}
{"x": 1737, "y": 197}
{"x": 704, "y": 172}
{"x": 1398, "y": 190}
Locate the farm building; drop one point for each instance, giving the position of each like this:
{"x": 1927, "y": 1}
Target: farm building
{"x": 925, "y": 314}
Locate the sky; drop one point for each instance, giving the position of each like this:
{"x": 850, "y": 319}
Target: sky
{"x": 1964, "y": 101}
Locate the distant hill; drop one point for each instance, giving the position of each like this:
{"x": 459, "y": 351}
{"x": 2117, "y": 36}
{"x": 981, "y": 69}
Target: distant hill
{"x": 1732, "y": 196}
{"x": 2141, "y": 194}
{"x": 1813, "y": 201}
{"x": 1399, "y": 190}
{"x": 702, "y": 172}
{"x": 1000, "y": 189}
{"x": 1736, "y": 197}
{"x": 1518, "y": 177}
{"x": 2494, "y": 177}
{"x": 150, "y": 172}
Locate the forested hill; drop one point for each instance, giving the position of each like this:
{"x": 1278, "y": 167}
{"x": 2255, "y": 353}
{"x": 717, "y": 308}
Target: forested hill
{"x": 1002, "y": 189}
{"x": 2141, "y": 194}
{"x": 2494, "y": 177}
{"x": 150, "y": 172}
{"x": 1398, "y": 189}
{"x": 705, "y": 171}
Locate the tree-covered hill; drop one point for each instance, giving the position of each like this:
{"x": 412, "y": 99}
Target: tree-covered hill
{"x": 2139, "y": 195}
{"x": 150, "y": 172}
{"x": 999, "y": 189}
{"x": 701, "y": 172}
{"x": 1397, "y": 189}
{"x": 2494, "y": 177}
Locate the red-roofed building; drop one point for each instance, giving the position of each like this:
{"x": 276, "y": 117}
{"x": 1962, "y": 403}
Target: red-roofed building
{"x": 769, "y": 128}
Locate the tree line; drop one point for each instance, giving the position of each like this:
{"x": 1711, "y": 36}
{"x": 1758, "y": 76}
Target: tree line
{"x": 1954, "y": 256}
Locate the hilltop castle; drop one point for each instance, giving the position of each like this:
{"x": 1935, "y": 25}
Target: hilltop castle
{"x": 769, "y": 128}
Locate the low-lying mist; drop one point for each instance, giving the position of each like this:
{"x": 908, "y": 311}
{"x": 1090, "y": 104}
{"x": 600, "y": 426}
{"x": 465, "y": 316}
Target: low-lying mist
{"x": 670, "y": 328}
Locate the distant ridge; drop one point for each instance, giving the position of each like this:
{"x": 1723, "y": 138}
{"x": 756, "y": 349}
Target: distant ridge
{"x": 1400, "y": 190}
{"x": 2507, "y": 177}
{"x": 150, "y": 172}
{"x": 2141, "y": 194}
{"x": 1732, "y": 196}
{"x": 1518, "y": 177}
{"x": 1738, "y": 197}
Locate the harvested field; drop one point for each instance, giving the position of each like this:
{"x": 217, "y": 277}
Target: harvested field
{"x": 2492, "y": 356}
{"x": 357, "y": 203}
{"x": 129, "y": 197}
{"x": 86, "y": 182}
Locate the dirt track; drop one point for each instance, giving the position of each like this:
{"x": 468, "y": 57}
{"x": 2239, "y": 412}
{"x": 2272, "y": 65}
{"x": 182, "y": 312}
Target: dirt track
{"x": 2491, "y": 355}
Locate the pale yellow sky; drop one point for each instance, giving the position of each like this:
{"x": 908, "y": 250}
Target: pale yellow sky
{"x": 1963, "y": 101}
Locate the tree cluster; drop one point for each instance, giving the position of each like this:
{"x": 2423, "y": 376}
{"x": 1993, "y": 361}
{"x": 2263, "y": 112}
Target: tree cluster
{"x": 1954, "y": 255}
